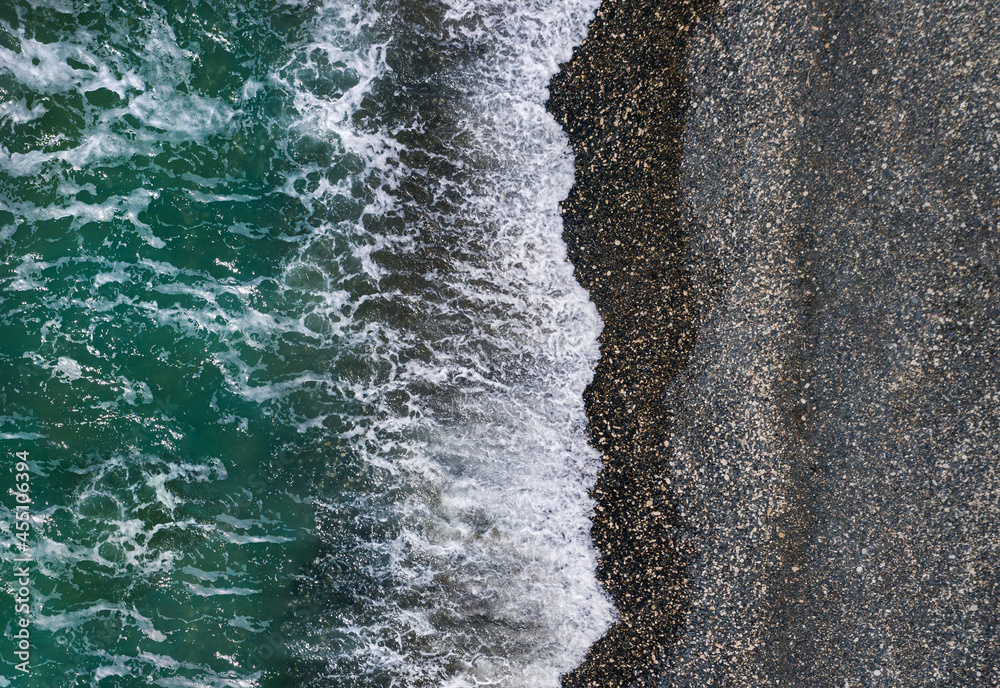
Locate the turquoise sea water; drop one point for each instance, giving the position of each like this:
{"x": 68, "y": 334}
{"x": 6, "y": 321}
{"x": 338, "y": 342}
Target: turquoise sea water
{"x": 290, "y": 347}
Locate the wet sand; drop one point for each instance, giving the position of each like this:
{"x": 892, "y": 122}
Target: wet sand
{"x": 786, "y": 213}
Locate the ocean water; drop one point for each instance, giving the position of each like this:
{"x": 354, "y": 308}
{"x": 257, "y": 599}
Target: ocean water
{"x": 289, "y": 346}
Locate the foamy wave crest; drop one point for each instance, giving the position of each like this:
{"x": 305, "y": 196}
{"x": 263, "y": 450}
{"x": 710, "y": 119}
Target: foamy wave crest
{"x": 465, "y": 560}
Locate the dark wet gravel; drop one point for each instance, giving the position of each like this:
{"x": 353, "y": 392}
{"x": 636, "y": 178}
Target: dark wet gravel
{"x": 787, "y": 215}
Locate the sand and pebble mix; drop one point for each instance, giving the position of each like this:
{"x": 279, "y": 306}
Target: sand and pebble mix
{"x": 786, "y": 213}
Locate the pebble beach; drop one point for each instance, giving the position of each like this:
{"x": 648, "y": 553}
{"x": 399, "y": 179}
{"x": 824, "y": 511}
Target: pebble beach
{"x": 786, "y": 214}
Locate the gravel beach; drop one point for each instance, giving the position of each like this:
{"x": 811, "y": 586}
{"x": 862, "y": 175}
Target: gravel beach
{"x": 786, "y": 213}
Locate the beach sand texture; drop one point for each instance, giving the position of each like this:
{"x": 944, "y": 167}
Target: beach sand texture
{"x": 786, "y": 213}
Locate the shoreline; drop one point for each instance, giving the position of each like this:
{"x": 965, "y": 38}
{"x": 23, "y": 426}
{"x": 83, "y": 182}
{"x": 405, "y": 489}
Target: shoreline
{"x": 622, "y": 101}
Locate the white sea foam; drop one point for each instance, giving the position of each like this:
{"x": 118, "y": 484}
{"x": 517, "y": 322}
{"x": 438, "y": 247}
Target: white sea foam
{"x": 442, "y": 339}
{"x": 490, "y": 443}
{"x": 75, "y": 619}
{"x": 19, "y": 112}
{"x": 69, "y": 368}
{"x": 28, "y": 274}
{"x": 205, "y": 591}
{"x": 44, "y": 68}
{"x": 149, "y": 94}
